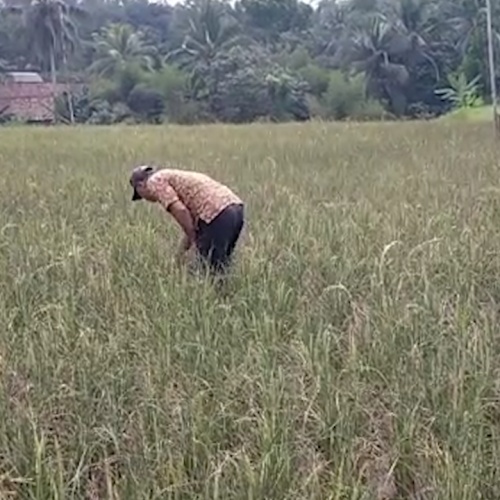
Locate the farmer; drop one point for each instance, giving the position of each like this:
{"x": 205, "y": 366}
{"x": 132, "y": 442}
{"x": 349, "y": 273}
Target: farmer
{"x": 210, "y": 214}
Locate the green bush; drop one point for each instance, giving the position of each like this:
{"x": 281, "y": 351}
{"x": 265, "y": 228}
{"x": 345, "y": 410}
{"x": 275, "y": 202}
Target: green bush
{"x": 82, "y": 104}
{"x": 342, "y": 95}
{"x": 118, "y": 90}
{"x": 171, "y": 84}
{"x": 345, "y": 98}
{"x": 316, "y": 77}
{"x": 148, "y": 96}
{"x": 298, "y": 59}
{"x": 190, "y": 113}
{"x": 103, "y": 89}
{"x": 146, "y": 103}
{"x": 104, "y": 113}
{"x": 369, "y": 110}
{"x": 243, "y": 85}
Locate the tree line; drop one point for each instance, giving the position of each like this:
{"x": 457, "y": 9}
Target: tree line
{"x": 213, "y": 60}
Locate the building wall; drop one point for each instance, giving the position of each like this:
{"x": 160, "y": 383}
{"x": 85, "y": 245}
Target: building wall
{"x": 29, "y": 101}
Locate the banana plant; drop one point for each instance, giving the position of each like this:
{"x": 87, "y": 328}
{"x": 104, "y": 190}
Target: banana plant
{"x": 461, "y": 93}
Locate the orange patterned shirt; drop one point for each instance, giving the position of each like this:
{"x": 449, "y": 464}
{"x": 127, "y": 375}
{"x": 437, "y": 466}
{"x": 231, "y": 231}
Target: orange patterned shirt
{"x": 204, "y": 197}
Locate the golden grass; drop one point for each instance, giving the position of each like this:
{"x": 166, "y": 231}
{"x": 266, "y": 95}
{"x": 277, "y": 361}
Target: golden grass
{"x": 357, "y": 356}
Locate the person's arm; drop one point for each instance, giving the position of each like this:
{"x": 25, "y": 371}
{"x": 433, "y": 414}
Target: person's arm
{"x": 183, "y": 217}
{"x": 163, "y": 193}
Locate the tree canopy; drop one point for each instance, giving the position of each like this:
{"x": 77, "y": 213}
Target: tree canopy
{"x": 215, "y": 60}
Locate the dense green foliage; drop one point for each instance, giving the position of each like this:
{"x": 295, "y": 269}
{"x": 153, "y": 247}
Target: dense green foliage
{"x": 210, "y": 60}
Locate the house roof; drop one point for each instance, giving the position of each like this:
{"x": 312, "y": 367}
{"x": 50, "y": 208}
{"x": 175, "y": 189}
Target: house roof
{"x": 24, "y": 77}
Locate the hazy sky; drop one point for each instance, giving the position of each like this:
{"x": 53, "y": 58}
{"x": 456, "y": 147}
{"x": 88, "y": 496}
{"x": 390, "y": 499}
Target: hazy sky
{"x": 312, "y": 2}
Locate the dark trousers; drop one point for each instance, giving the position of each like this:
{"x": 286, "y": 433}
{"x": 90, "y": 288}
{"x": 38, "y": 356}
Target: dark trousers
{"x": 216, "y": 241}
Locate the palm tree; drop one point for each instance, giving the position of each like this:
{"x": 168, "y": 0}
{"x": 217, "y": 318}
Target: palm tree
{"x": 52, "y": 31}
{"x": 375, "y": 49}
{"x": 464, "y": 18}
{"x": 119, "y": 46}
{"x": 210, "y": 31}
{"x": 416, "y": 23}
{"x": 330, "y": 24}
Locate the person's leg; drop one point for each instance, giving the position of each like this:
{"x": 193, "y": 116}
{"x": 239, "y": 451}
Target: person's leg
{"x": 217, "y": 240}
{"x": 204, "y": 244}
{"x": 227, "y": 230}
{"x": 237, "y": 212}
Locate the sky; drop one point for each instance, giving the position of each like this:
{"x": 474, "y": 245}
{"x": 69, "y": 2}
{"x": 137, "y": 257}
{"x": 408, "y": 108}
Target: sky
{"x": 173, "y": 2}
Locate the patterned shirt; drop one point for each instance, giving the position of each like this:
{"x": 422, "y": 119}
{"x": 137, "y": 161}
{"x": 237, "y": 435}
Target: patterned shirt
{"x": 204, "y": 197}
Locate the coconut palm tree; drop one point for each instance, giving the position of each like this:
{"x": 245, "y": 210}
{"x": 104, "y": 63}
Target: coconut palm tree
{"x": 464, "y": 18}
{"x": 119, "y": 46}
{"x": 330, "y": 23}
{"x": 51, "y": 31}
{"x": 416, "y": 23}
{"x": 375, "y": 48}
{"x": 210, "y": 31}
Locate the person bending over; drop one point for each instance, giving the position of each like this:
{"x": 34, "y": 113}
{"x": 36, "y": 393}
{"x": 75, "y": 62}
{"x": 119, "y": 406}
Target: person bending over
{"x": 210, "y": 214}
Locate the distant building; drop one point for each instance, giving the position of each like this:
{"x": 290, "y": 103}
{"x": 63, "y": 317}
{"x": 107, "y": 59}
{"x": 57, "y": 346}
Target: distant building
{"x": 26, "y": 96}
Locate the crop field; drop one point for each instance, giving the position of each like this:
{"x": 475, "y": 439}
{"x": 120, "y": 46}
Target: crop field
{"x": 356, "y": 354}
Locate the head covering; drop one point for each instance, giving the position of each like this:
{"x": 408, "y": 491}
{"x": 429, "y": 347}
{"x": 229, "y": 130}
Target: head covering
{"x": 139, "y": 174}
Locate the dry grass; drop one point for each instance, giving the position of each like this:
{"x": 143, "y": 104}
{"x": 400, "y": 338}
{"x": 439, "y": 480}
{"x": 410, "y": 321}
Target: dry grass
{"x": 357, "y": 357}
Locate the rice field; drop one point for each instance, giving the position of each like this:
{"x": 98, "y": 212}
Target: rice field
{"x": 356, "y": 355}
